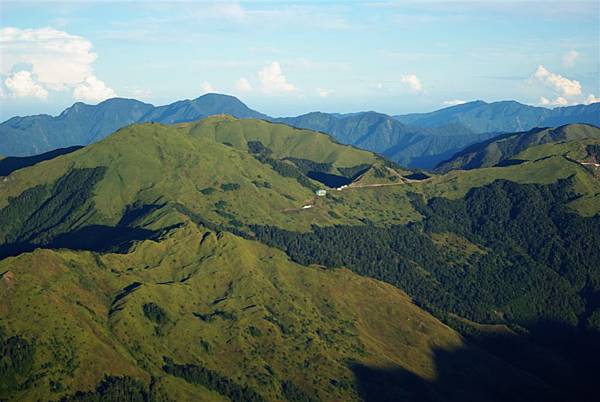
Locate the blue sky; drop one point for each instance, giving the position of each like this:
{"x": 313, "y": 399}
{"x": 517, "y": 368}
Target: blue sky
{"x": 287, "y": 58}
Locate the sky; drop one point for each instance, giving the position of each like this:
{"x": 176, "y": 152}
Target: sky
{"x": 288, "y": 58}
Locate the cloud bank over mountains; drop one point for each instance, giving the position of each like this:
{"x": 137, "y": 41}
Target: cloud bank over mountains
{"x": 38, "y": 61}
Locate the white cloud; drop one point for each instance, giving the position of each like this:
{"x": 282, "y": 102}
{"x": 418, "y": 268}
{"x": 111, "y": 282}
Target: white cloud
{"x": 93, "y": 90}
{"x": 544, "y": 101}
{"x": 272, "y": 80}
{"x": 559, "y": 101}
{"x": 453, "y": 102}
{"x": 207, "y": 87}
{"x": 570, "y": 57}
{"x": 379, "y": 85}
{"x": 557, "y": 82}
{"x": 57, "y": 59}
{"x": 22, "y": 85}
{"x": 243, "y": 85}
{"x": 412, "y": 81}
{"x": 323, "y": 93}
{"x": 591, "y": 99}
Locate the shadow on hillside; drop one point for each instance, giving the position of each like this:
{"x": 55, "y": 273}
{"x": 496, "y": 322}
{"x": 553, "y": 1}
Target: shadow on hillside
{"x": 13, "y": 163}
{"x": 554, "y": 363}
{"x": 101, "y": 238}
{"x": 97, "y": 238}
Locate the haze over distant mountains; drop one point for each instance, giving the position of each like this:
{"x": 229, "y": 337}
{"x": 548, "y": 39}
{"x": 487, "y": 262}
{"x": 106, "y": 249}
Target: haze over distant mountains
{"x": 505, "y": 116}
{"x": 416, "y": 140}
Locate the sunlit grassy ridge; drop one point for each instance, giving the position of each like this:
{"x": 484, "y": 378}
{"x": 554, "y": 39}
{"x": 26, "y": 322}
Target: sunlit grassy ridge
{"x": 152, "y": 163}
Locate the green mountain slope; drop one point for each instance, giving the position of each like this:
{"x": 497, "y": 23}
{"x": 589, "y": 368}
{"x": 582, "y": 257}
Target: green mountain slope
{"x": 205, "y": 167}
{"x": 506, "y": 147}
{"x": 196, "y": 262}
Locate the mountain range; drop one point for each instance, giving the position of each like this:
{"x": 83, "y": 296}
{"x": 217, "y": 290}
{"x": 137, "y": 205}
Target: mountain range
{"x": 414, "y": 140}
{"x": 504, "y": 116}
{"x": 197, "y": 262}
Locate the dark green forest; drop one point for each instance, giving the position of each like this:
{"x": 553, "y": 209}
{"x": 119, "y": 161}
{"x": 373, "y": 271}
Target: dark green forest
{"x": 536, "y": 260}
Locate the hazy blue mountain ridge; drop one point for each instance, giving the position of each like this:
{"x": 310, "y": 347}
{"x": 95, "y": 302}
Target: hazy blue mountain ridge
{"x": 420, "y": 140}
{"x": 504, "y": 116}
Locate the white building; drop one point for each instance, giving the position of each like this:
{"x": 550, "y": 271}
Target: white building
{"x": 321, "y": 193}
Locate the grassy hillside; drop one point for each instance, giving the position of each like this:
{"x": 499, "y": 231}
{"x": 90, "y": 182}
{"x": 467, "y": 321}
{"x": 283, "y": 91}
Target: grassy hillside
{"x": 502, "y": 149}
{"x": 283, "y": 140}
{"x": 205, "y": 166}
{"x": 218, "y": 302}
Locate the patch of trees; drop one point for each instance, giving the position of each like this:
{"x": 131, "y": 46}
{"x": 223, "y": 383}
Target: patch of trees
{"x": 207, "y": 191}
{"x": 257, "y": 147}
{"x": 593, "y": 150}
{"x": 155, "y": 314}
{"x": 294, "y": 393}
{"x": 212, "y": 380}
{"x": 16, "y": 362}
{"x": 261, "y": 184}
{"x": 217, "y": 313}
{"x": 230, "y": 186}
{"x": 113, "y": 389}
{"x": 42, "y": 212}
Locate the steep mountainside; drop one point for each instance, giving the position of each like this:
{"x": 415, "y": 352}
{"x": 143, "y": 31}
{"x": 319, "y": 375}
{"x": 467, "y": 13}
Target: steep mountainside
{"x": 195, "y": 262}
{"x": 504, "y": 148}
{"x": 505, "y": 116}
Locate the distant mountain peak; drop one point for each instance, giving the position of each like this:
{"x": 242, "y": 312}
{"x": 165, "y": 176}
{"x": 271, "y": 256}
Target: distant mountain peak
{"x": 82, "y": 124}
